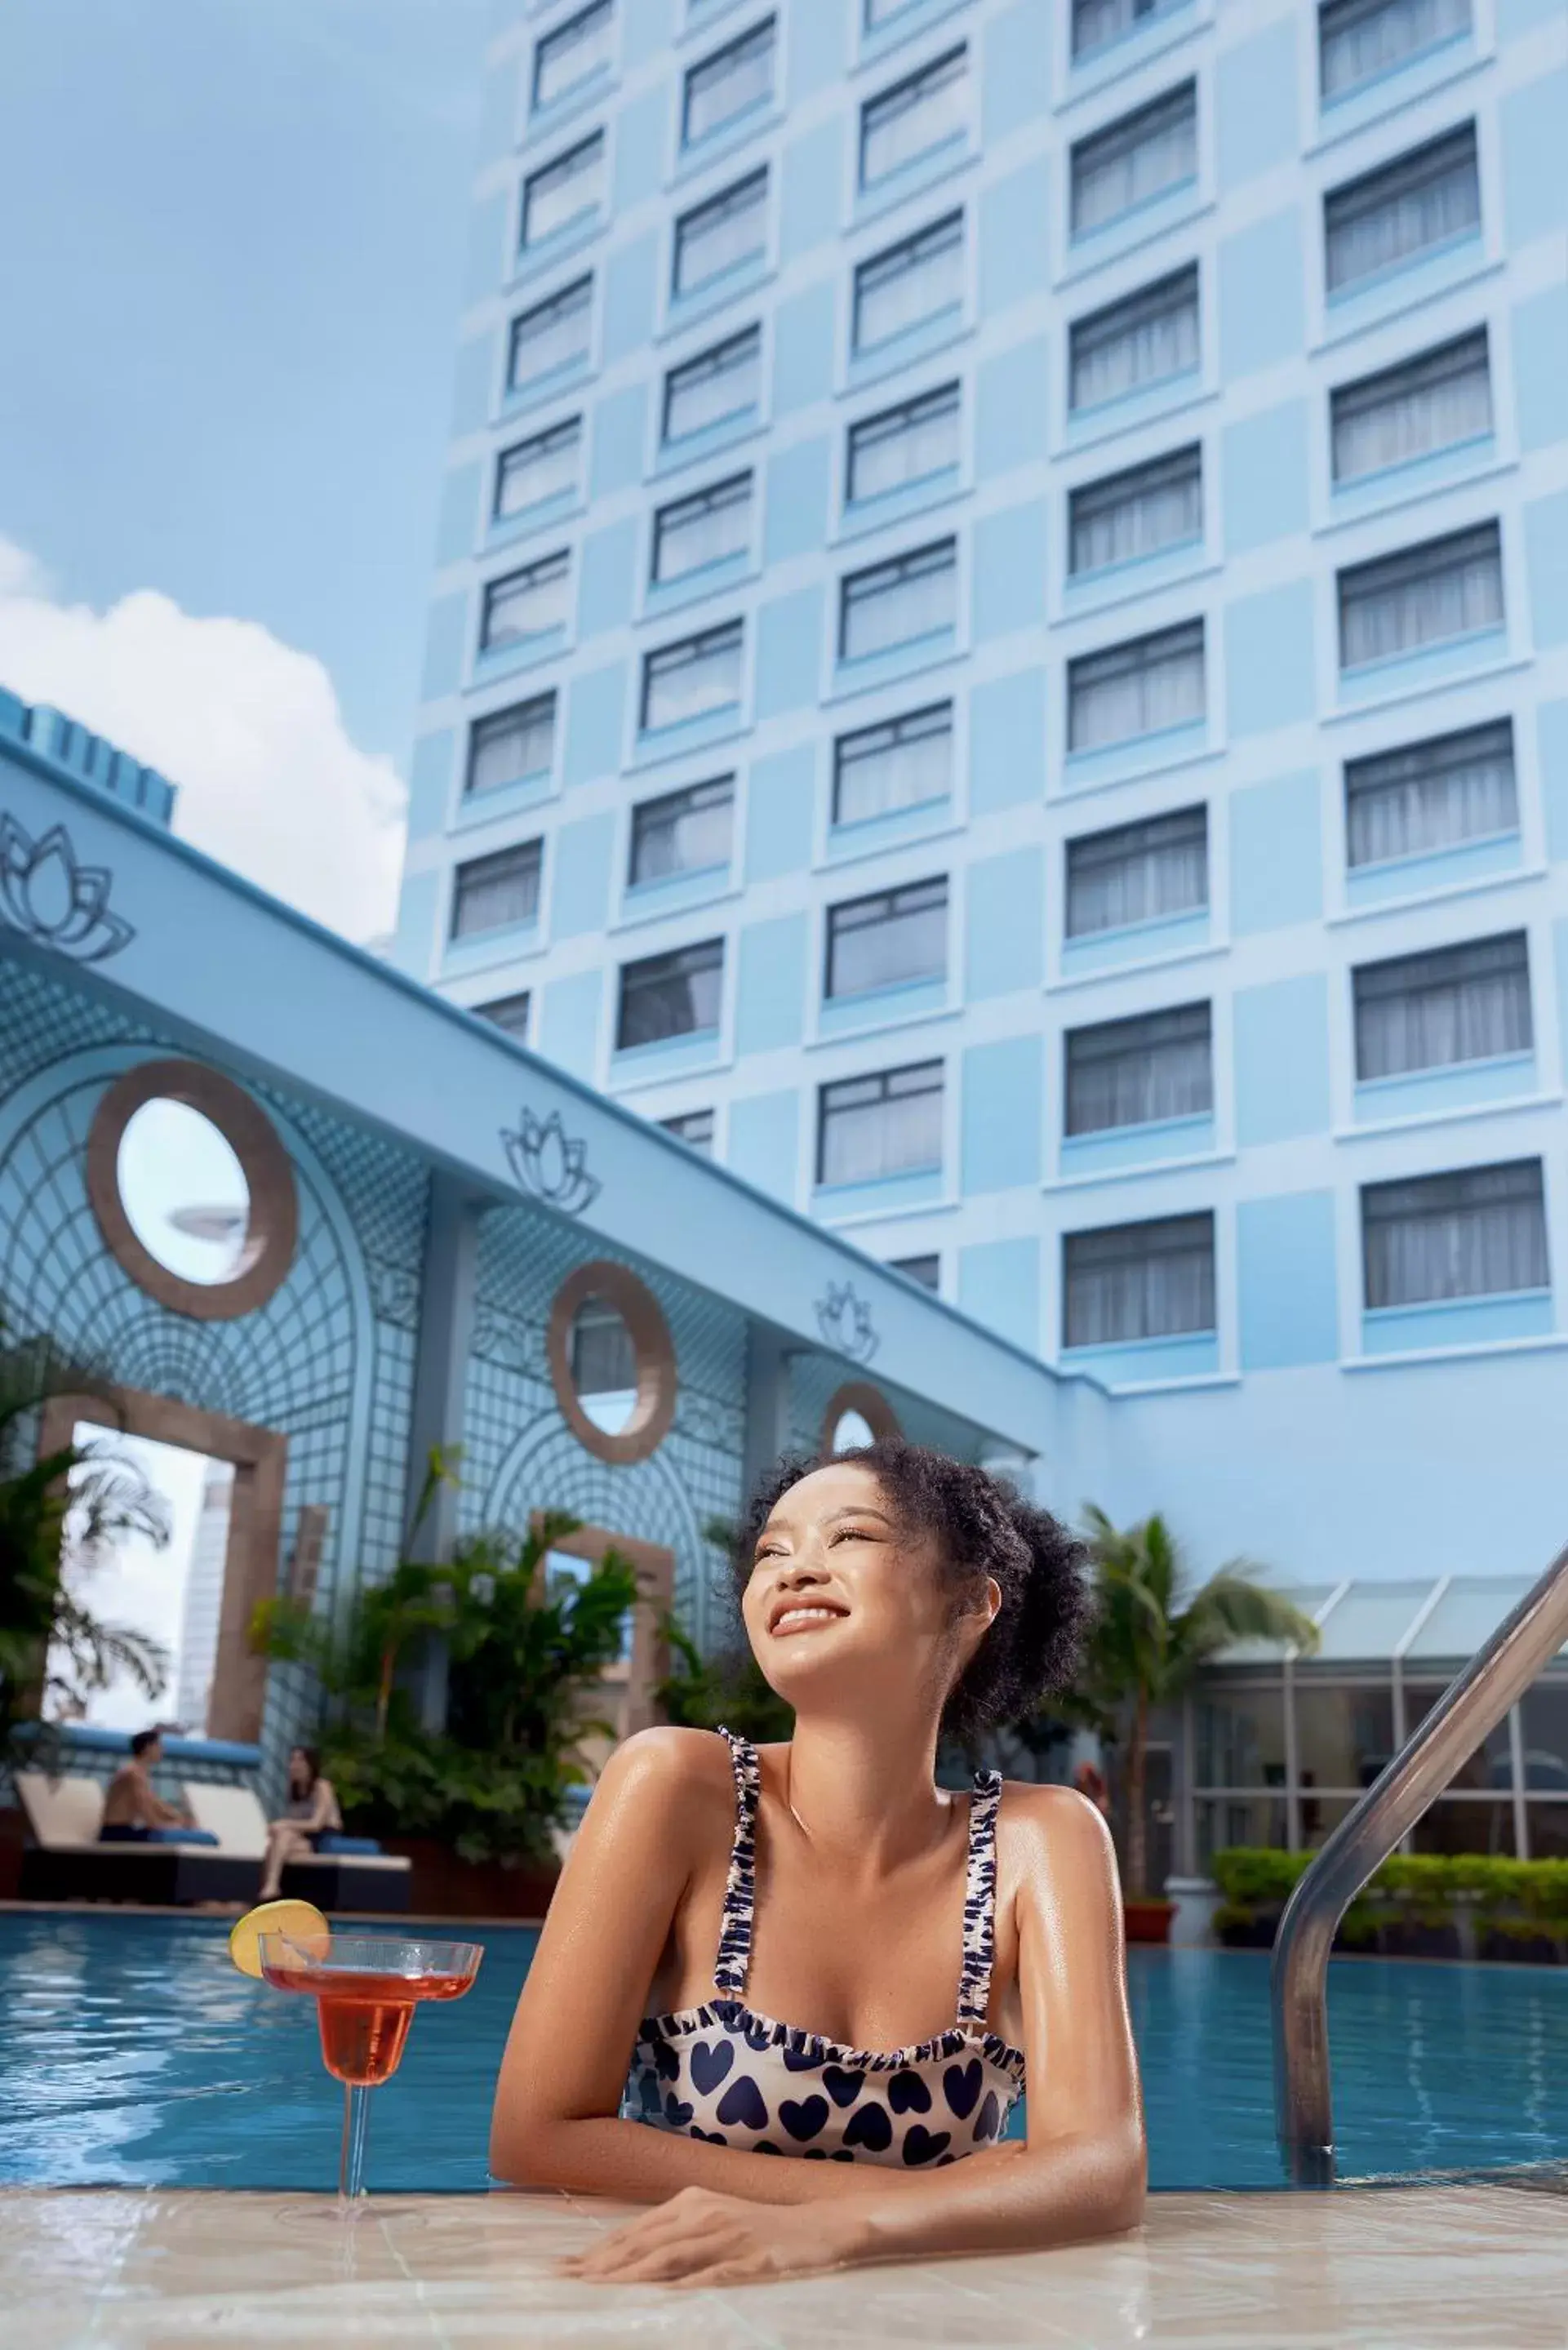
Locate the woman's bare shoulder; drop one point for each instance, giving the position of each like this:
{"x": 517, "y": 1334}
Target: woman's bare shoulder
{"x": 669, "y": 1771}
{"x": 1055, "y": 1821}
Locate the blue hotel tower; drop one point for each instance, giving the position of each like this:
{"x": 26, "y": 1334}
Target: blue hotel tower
{"x": 999, "y": 662}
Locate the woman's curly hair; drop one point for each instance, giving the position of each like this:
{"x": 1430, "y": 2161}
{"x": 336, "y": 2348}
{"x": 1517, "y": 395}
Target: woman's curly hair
{"x": 982, "y": 1526}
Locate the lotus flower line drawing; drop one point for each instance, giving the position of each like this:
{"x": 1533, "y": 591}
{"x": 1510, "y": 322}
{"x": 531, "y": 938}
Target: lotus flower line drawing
{"x": 47, "y": 896}
{"x": 547, "y": 1162}
{"x": 845, "y": 1321}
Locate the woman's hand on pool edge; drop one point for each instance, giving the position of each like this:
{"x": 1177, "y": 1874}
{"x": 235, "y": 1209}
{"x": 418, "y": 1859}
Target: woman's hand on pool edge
{"x": 700, "y": 2239}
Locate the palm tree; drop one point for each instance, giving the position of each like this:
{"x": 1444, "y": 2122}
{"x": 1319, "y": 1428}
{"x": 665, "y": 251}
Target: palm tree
{"x": 1152, "y": 1633}
{"x": 61, "y": 1516}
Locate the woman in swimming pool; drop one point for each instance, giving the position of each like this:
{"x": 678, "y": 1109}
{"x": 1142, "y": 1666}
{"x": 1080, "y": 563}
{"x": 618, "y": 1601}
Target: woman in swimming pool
{"x": 888, "y": 1594}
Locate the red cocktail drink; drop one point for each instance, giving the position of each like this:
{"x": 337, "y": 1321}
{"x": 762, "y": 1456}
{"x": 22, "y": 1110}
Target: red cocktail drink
{"x": 366, "y": 1988}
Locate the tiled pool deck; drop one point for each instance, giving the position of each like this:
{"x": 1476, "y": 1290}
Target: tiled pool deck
{"x": 1424, "y": 2268}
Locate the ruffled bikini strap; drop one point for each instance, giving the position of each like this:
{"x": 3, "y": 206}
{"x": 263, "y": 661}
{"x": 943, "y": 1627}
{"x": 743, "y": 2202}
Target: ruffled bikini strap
{"x": 740, "y": 1885}
{"x": 979, "y": 1901}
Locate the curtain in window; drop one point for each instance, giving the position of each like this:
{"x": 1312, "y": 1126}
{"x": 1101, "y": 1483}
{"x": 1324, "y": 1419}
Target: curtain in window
{"x": 1136, "y": 1072}
{"x": 724, "y": 85}
{"x": 688, "y": 681}
{"x": 513, "y": 744}
{"x": 553, "y": 335}
{"x": 1431, "y": 1010}
{"x": 1138, "y": 873}
{"x": 563, "y": 192}
{"x": 907, "y": 122}
{"x": 1098, "y": 23}
{"x": 1481, "y": 1233}
{"x": 685, "y": 832}
{"x": 509, "y": 1014}
{"x": 1433, "y": 402}
{"x": 541, "y": 468}
{"x": 1137, "y": 689}
{"x": 885, "y": 768}
{"x": 881, "y": 1126}
{"x": 1360, "y": 39}
{"x": 891, "y": 939}
{"x": 722, "y": 383}
{"x": 604, "y": 1359}
{"x": 704, "y": 529}
{"x": 1138, "y": 514}
{"x": 1139, "y": 1281}
{"x": 567, "y": 57}
{"x": 721, "y": 234}
{"x": 671, "y": 995}
{"x": 897, "y": 603}
{"x": 914, "y": 282}
{"x": 493, "y": 893}
{"x": 1402, "y": 210}
{"x": 909, "y": 444}
{"x": 1135, "y": 161}
{"x": 526, "y": 603}
{"x": 1431, "y": 796}
{"x": 1452, "y": 588}
{"x": 1137, "y": 343}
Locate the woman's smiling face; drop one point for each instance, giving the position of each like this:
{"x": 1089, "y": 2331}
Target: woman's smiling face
{"x": 841, "y": 1594}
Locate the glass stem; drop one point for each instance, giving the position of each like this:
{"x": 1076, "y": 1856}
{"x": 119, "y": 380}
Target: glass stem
{"x": 356, "y": 2117}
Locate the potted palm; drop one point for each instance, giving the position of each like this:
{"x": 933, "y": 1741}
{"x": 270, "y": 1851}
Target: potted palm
{"x": 1152, "y": 1632}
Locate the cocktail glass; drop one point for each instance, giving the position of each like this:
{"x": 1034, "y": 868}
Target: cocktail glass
{"x": 366, "y": 1988}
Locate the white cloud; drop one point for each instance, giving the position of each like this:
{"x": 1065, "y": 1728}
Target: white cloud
{"x": 248, "y": 728}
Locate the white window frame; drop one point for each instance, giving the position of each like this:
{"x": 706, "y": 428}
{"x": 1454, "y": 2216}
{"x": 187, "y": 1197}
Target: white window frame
{"x": 1381, "y": 75}
{"x": 669, "y": 449}
{"x": 948, "y": 231}
{"x": 950, "y": 67}
{"x": 514, "y": 850}
{"x": 1404, "y": 559}
{"x": 1128, "y": 745}
{"x": 897, "y": 572}
{"x": 919, "y": 721}
{"x": 1081, "y": 416}
{"x": 594, "y": 146}
{"x": 1179, "y": 100}
{"x": 722, "y": 204}
{"x": 888, "y": 422}
{"x": 710, "y": 641}
{"x": 1406, "y": 165}
{"x": 543, "y": 572}
{"x": 736, "y": 491}
{"x": 604, "y": 8}
{"x": 568, "y": 432}
{"x": 490, "y": 793}
{"x": 756, "y": 110}
{"x": 543, "y": 384}
{"x": 662, "y": 954}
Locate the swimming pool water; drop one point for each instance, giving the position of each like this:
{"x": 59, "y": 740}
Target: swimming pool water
{"x": 132, "y": 2053}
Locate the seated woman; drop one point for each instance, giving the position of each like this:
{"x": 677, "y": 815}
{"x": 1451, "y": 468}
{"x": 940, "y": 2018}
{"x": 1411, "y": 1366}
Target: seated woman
{"x": 312, "y": 1813}
{"x": 890, "y": 1595}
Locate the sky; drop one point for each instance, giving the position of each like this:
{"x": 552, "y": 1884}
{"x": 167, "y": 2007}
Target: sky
{"x": 139, "y": 1585}
{"x": 229, "y": 290}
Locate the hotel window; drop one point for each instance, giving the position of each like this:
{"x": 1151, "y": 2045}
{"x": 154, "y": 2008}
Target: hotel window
{"x": 1359, "y": 39}
{"x": 900, "y": 602}
{"x": 1395, "y": 215}
{"x": 498, "y": 892}
{"x": 1148, "y": 872}
{"x": 1142, "y": 511}
{"x": 925, "y": 1272}
{"x": 910, "y": 284}
{"x": 692, "y": 678}
{"x": 565, "y": 191}
{"x": 1139, "y": 1072}
{"x": 1132, "y": 162}
{"x": 876, "y": 13}
{"x": 912, "y": 442}
{"x": 512, "y": 745}
{"x": 872, "y": 1127}
{"x": 509, "y": 1014}
{"x": 565, "y": 58}
{"x": 694, "y": 1128}
{"x": 545, "y": 466}
{"x": 1143, "y": 688}
{"x": 894, "y": 939}
{"x": 715, "y": 388}
{"x": 526, "y": 603}
{"x": 1147, "y": 339}
{"x": 907, "y": 763}
{"x": 552, "y": 335}
{"x": 1432, "y": 595}
{"x": 1435, "y": 1011}
{"x": 919, "y": 115}
{"x": 1478, "y": 1234}
{"x": 1431, "y": 795}
{"x": 671, "y": 995}
{"x": 689, "y": 831}
{"x": 730, "y": 83}
{"x": 720, "y": 235}
{"x": 1097, "y": 24}
{"x": 1129, "y": 1281}
{"x": 707, "y": 527}
{"x": 1435, "y": 401}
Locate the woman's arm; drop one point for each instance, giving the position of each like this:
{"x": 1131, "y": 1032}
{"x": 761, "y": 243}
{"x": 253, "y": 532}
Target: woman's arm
{"x": 1081, "y": 2173}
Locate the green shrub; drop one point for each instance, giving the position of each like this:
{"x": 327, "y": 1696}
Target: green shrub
{"x": 1429, "y": 1888}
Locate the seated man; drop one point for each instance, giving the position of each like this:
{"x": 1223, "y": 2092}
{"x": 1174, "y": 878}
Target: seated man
{"x": 133, "y": 1811}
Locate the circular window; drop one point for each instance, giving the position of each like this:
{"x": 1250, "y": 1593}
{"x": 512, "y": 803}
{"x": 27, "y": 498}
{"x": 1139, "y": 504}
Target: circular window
{"x": 857, "y": 1413}
{"x": 193, "y": 1189}
{"x": 612, "y": 1362}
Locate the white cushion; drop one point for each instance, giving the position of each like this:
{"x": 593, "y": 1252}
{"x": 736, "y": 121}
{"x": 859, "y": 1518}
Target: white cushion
{"x": 230, "y": 1813}
{"x": 352, "y": 1861}
{"x": 61, "y": 1813}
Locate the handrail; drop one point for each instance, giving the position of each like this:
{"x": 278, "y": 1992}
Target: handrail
{"x": 1494, "y": 1679}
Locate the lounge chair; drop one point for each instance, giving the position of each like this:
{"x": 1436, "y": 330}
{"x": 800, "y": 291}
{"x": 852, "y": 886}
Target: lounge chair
{"x": 66, "y": 1862}
{"x": 371, "y": 1879}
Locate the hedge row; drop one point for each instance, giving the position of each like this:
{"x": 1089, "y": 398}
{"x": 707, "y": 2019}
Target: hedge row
{"x": 1428, "y": 1886}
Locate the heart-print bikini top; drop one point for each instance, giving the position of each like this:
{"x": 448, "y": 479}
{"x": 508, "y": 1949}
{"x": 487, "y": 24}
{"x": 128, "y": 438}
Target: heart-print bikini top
{"x": 723, "y": 2072}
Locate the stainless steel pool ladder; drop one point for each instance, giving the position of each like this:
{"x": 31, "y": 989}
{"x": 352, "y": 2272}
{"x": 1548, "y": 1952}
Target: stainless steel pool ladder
{"x": 1495, "y": 1679}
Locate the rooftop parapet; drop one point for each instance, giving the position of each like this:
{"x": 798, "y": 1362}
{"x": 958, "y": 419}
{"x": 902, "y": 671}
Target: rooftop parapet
{"x": 66, "y": 744}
